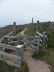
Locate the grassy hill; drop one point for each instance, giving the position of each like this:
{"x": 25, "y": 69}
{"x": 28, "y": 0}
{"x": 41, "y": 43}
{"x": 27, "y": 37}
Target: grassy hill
{"x": 5, "y": 30}
{"x": 6, "y": 68}
{"x": 45, "y": 25}
{"x": 48, "y": 56}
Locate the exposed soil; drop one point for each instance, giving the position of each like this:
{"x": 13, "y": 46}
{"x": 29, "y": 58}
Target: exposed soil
{"x": 33, "y": 64}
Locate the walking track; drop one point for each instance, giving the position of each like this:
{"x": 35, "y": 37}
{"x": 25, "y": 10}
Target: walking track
{"x": 33, "y": 64}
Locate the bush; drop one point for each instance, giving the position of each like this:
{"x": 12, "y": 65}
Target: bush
{"x": 39, "y": 55}
{"x": 24, "y": 68}
{"x": 8, "y": 50}
{"x": 15, "y": 39}
{"x": 51, "y": 39}
{"x": 6, "y": 68}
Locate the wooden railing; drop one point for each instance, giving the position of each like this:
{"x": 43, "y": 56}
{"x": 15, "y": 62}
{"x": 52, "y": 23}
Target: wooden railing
{"x": 22, "y": 39}
{"x": 36, "y": 41}
{"x": 17, "y": 57}
{"x": 43, "y": 37}
{"x": 5, "y": 35}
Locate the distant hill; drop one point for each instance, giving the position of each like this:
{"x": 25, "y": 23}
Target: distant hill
{"x": 48, "y": 55}
{"x": 5, "y": 30}
{"x": 47, "y": 26}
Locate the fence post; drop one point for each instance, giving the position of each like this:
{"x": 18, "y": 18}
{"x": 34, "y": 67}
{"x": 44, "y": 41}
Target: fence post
{"x": 37, "y": 25}
{"x": 21, "y": 38}
{"x": 44, "y": 43}
{"x": 37, "y": 49}
{"x": 6, "y": 40}
{"x": 14, "y": 28}
{"x": 20, "y": 54}
{"x": 1, "y": 57}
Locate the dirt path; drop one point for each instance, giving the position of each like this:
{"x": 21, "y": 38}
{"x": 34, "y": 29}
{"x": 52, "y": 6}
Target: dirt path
{"x": 33, "y": 64}
{"x": 22, "y": 32}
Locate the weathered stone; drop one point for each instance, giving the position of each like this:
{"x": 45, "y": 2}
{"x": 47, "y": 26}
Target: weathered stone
{"x": 14, "y": 28}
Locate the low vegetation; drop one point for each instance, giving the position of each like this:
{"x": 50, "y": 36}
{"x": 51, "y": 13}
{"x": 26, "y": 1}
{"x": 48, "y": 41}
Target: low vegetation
{"x": 15, "y": 39}
{"x": 31, "y": 30}
{"x": 48, "y": 56}
{"x": 19, "y": 28}
{"x": 5, "y": 30}
{"x": 6, "y": 68}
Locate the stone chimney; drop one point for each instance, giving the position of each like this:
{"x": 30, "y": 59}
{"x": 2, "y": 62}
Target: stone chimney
{"x": 14, "y": 28}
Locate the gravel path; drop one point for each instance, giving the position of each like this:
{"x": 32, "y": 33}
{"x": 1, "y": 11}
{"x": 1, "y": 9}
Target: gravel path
{"x": 22, "y": 32}
{"x": 33, "y": 64}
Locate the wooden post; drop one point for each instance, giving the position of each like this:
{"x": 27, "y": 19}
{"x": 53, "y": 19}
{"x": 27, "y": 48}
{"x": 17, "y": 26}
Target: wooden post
{"x": 14, "y": 28}
{"x": 44, "y": 43}
{"x": 37, "y": 49}
{"x": 20, "y": 54}
{"x": 20, "y": 38}
{"x": 37, "y": 25}
{"x": 1, "y": 57}
{"x": 6, "y": 40}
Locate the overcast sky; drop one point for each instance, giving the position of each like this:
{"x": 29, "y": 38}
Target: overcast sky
{"x": 22, "y": 11}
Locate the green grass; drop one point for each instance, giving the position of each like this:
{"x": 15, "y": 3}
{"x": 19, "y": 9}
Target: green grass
{"x": 6, "y": 68}
{"x": 24, "y": 68}
{"x": 5, "y": 30}
{"x": 52, "y": 69}
{"x": 45, "y": 25}
{"x": 30, "y": 31}
{"x": 8, "y": 50}
{"x": 15, "y": 39}
{"x": 48, "y": 55}
{"x": 51, "y": 39}
{"x": 19, "y": 28}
